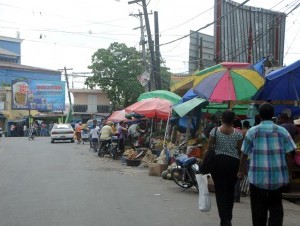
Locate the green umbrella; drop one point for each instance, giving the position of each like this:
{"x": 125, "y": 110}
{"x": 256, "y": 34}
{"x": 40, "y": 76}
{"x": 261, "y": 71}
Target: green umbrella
{"x": 183, "y": 108}
{"x": 163, "y": 94}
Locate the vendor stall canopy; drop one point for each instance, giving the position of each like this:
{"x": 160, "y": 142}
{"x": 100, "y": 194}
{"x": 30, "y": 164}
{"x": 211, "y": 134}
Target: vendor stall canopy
{"x": 121, "y": 115}
{"x": 227, "y": 81}
{"x": 151, "y": 108}
{"x": 282, "y": 84}
{"x": 184, "y": 108}
{"x": 162, "y": 94}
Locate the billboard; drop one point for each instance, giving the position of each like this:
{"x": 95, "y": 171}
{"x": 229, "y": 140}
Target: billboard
{"x": 201, "y": 51}
{"x": 38, "y": 95}
{"x": 246, "y": 33}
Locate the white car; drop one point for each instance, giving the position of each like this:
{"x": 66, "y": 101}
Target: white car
{"x": 62, "y": 132}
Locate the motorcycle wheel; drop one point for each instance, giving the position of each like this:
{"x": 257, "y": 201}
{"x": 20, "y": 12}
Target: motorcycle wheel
{"x": 178, "y": 175}
{"x": 101, "y": 152}
{"x": 113, "y": 152}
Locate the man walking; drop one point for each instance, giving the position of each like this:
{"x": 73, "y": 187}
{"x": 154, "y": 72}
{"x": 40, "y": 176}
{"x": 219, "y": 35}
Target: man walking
{"x": 267, "y": 145}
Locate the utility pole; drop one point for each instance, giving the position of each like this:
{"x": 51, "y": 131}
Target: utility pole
{"x": 150, "y": 42}
{"x": 143, "y": 44}
{"x": 157, "y": 52}
{"x": 68, "y": 87}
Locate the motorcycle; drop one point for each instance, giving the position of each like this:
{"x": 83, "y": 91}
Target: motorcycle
{"x": 110, "y": 147}
{"x": 31, "y": 134}
{"x": 184, "y": 174}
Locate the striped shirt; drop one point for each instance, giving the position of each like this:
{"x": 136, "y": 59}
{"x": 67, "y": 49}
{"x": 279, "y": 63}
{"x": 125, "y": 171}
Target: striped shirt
{"x": 227, "y": 144}
{"x": 267, "y": 144}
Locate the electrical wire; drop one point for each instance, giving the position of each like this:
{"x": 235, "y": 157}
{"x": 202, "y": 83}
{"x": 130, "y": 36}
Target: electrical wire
{"x": 246, "y": 47}
{"x": 261, "y": 35}
{"x": 207, "y": 25}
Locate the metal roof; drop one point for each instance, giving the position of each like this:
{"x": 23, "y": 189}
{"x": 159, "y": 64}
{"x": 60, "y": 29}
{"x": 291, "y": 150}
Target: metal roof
{"x": 14, "y": 66}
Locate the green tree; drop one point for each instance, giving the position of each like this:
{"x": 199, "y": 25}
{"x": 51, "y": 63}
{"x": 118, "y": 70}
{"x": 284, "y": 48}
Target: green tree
{"x": 165, "y": 77}
{"x": 115, "y": 71}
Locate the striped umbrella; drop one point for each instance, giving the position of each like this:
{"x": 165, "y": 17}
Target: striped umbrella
{"x": 227, "y": 81}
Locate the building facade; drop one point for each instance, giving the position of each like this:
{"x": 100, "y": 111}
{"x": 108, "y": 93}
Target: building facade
{"x": 11, "y": 69}
{"x": 90, "y": 103}
{"x": 10, "y": 50}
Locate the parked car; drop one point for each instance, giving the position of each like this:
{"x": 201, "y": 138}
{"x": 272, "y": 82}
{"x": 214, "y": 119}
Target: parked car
{"x": 62, "y": 132}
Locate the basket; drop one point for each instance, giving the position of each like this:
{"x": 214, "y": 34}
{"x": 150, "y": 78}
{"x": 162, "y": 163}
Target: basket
{"x": 133, "y": 162}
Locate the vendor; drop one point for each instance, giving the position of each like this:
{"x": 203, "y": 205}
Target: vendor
{"x": 285, "y": 122}
{"x": 122, "y": 132}
{"x": 134, "y": 131}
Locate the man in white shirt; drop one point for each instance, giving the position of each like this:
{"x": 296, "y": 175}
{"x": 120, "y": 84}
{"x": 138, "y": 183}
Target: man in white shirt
{"x": 105, "y": 137}
{"x": 134, "y": 132}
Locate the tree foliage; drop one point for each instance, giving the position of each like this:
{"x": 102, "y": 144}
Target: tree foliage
{"x": 115, "y": 71}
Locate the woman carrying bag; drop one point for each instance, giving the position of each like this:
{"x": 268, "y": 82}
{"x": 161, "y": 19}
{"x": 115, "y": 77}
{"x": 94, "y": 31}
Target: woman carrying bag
{"x": 228, "y": 142}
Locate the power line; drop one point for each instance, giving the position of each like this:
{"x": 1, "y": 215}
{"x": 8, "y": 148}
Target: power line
{"x": 206, "y": 26}
{"x": 260, "y": 36}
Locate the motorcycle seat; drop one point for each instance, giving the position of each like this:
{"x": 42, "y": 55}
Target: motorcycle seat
{"x": 114, "y": 138}
{"x": 189, "y": 161}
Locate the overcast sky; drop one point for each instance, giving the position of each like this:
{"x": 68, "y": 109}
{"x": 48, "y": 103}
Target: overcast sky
{"x": 58, "y": 33}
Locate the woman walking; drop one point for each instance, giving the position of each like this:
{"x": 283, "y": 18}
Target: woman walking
{"x": 228, "y": 143}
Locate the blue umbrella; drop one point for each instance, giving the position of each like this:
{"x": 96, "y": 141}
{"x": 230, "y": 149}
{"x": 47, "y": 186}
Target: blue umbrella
{"x": 190, "y": 94}
{"x": 282, "y": 85}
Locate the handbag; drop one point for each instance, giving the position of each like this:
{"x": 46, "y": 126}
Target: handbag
{"x": 204, "y": 198}
{"x": 297, "y": 158}
{"x": 208, "y": 162}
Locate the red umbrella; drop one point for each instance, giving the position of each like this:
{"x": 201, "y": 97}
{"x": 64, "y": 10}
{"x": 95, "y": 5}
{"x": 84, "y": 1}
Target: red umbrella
{"x": 117, "y": 116}
{"x": 151, "y": 108}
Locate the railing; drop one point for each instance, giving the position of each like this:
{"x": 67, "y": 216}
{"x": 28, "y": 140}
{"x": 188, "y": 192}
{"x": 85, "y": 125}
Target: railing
{"x": 103, "y": 108}
{"x": 84, "y": 107}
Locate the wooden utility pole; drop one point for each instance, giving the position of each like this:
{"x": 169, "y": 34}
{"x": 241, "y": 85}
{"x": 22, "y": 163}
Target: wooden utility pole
{"x": 150, "y": 42}
{"x": 68, "y": 87}
{"x": 143, "y": 44}
{"x": 157, "y": 52}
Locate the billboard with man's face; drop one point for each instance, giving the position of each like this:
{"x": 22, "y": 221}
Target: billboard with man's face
{"x": 38, "y": 95}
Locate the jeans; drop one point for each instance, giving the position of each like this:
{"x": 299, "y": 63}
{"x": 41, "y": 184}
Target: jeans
{"x": 225, "y": 177}
{"x": 264, "y": 201}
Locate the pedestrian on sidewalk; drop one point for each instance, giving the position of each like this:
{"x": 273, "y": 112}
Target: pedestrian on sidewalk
{"x": 267, "y": 145}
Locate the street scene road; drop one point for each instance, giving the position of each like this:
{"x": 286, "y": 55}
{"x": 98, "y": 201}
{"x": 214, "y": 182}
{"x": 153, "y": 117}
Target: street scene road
{"x": 62, "y": 184}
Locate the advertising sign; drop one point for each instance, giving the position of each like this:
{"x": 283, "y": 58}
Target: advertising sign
{"x": 38, "y": 95}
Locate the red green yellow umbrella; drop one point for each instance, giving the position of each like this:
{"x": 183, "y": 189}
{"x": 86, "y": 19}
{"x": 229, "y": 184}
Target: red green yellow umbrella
{"x": 228, "y": 81}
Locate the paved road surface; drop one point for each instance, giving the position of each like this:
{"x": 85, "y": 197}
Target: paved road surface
{"x": 65, "y": 184}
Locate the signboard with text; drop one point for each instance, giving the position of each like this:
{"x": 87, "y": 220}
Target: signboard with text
{"x": 38, "y": 95}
